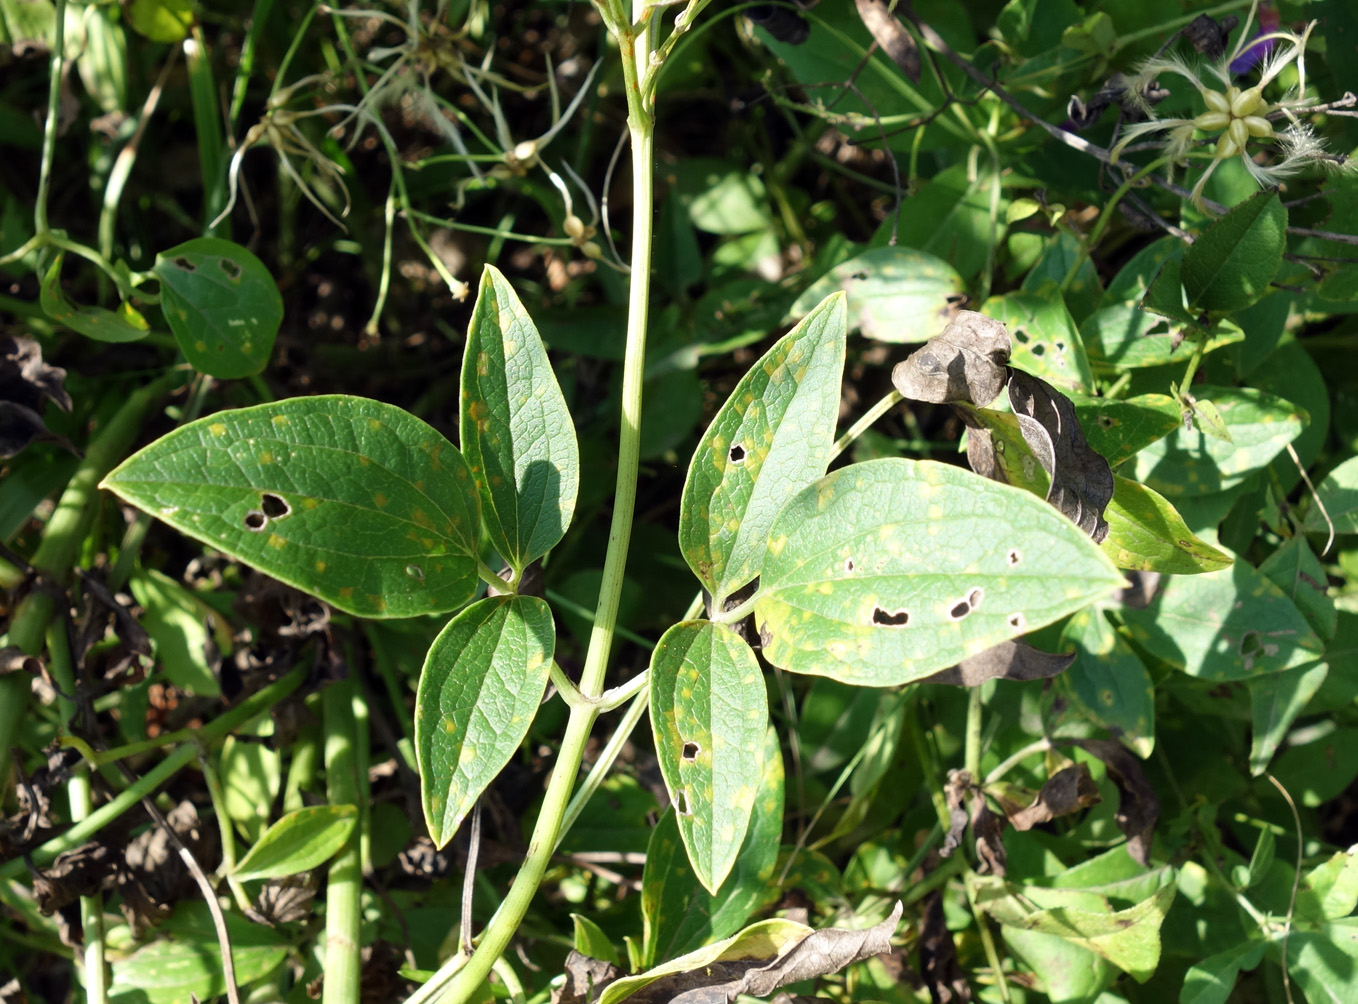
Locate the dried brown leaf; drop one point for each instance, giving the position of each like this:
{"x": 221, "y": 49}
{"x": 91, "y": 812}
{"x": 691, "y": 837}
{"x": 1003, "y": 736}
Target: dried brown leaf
{"x": 891, "y": 35}
{"x": 1067, "y": 791}
{"x": 1081, "y": 480}
{"x": 1138, "y": 805}
{"x": 938, "y": 956}
{"x": 966, "y": 363}
{"x": 585, "y": 978}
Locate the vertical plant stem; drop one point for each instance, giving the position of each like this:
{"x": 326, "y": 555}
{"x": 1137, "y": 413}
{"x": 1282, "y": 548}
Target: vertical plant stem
{"x": 343, "y": 909}
{"x": 635, "y": 45}
{"x": 49, "y": 131}
{"x": 81, "y": 805}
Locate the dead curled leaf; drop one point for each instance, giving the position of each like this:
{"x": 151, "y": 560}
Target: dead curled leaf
{"x": 938, "y": 956}
{"x": 1067, "y": 791}
{"x": 818, "y": 954}
{"x": 1081, "y": 480}
{"x": 891, "y": 35}
{"x": 1138, "y": 805}
{"x": 585, "y": 978}
{"x": 967, "y": 367}
{"x": 967, "y": 363}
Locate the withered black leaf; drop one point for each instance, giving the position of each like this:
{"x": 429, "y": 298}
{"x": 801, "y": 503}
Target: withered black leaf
{"x": 780, "y": 21}
{"x": 987, "y": 827}
{"x": 81, "y": 871}
{"x": 966, "y": 363}
{"x": 955, "y": 796}
{"x": 1210, "y": 36}
{"x": 1067, "y": 791}
{"x": 1138, "y": 805}
{"x": 286, "y": 900}
{"x": 1081, "y": 480}
{"x": 1009, "y": 660}
{"x": 26, "y": 383}
{"x": 154, "y": 877}
{"x": 938, "y": 956}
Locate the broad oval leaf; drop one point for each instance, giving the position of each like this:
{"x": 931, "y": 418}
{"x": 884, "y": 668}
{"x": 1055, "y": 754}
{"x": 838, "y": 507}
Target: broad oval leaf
{"x": 1226, "y": 625}
{"x": 1193, "y": 463}
{"x": 1047, "y": 343}
{"x": 103, "y": 325}
{"x": 517, "y": 433}
{"x": 1335, "y": 504}
{"x": 298, "y": 842}
{"x": 1147, "y": 534}
{"x": 482, "y": 682}
{"x": 887, "y": 571}
{"x": 1232, "y": 262}
{"x": 354, "y": 501}
{"x": 1124, "y": 336}
{"x": 222, "y": 305}
{"x": 771, "y": 438}
{"x": 709, "y": 713}
{"x": 896, "y": 294}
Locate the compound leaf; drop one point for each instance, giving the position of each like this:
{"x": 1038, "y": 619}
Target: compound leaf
{"x": 517, "y": 433}
{"x": 887, "y": 571}
{"x": 709, "y": 713}
{"x": 482, "y": 682}
{"x": 354, "y": 501}
{"x": 771, "y": 438}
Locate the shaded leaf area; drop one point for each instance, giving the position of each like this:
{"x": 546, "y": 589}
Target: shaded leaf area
{"x": 895, "y": 294}
{"x": 26, "y": 385}
{"x": 755, "y": 963}
{"x": 887, "y": 571}
{"x": 356, "y": 501}
{"x": 1009, "y": 660}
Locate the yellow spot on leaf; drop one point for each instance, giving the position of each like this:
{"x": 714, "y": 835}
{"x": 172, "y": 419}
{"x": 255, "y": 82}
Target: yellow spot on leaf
{"x": 276, "y": 541}
{"x": 279, "y": 420}
{"x": 320, "y": 566}
{"x": 217, "y": 429}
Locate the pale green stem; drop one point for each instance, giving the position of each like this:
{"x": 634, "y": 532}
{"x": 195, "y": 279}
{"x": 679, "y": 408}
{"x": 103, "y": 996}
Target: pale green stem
{"x": 49, "y": 132}
{"x": 81, "y": 805}
{"x": 225, "y": 829}
{"x": 459, "y": 986}
{"x": 640, "y": 700}
{"x": 972, "y": 751}
{"x": 343, "y": 894}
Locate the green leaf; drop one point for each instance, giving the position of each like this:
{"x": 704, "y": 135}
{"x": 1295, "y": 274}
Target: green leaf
{"x": 678, "y": 915}
{"x": 1108, "y": 681}
{"x": 1046, "y": 342}
{"x": 1123, "y": 336}
{"x": 482, "y": 682}
{"x": 1212, "y": 980}
{"x": 190, "y": 960}
{"x": 1329, "y": 891}
{"x": 951, "y": 217}
{"x": 1324, "y": 962}
{"x": 1128, "y": 938}
{"x": 1193, "y": 463}
{"x": 352, "y": 500}
{"x": 298, "y": 842}
{"x": 1166, "y": 298}
{"x": 166, "y": 21}
{"x": 590, "y": 940}
{"x": 709, "y": 713}
{"x": 896, "y": 294}
{"x": 1232, "y": 262}
{"x": 1147, "y": 534}
{"x": 719, "y": 199}
{"x": 1295, "y": 569}
{"x": 103, "y": 325}
{"x": 222, "y": 305}
{"x": 1119, "y": 429}
{"x": 177, "y": 621}
{"x": 887, "y": 571}
{"x": 1336, "y": 501}
{"x": 1275, "y": 702}
{"x": 517, "y": 433}
{"x": 1068, "y": 972}
{"x": 1226, "y": 625}
{"x": 251, "y": 775}
{"x": 771, "y": 438}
